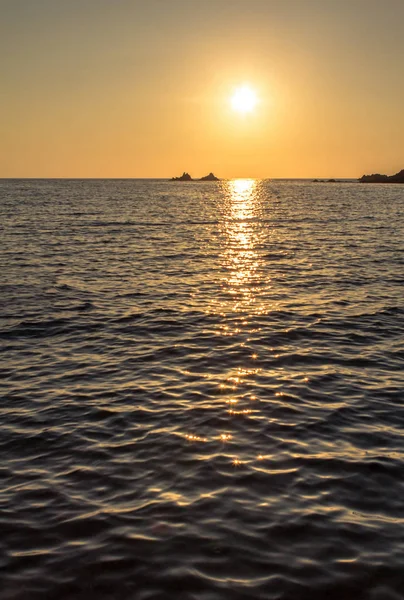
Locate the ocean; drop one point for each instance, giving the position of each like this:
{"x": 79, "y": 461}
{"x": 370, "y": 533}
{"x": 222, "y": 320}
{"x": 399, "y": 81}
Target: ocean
{"x": 201, "y": 390}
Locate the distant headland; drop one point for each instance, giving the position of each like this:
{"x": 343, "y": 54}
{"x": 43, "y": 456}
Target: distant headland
{"x": 377, "y": 178}
{"x": 187, "y": 177}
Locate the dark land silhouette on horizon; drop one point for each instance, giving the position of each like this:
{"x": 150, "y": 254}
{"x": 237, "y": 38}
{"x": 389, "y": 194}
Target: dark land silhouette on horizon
{"x": 378, "y": 178}
{"x": 374, "y": 178}
{"x": 187, "y": 177}
{"x": 324, "y": 181}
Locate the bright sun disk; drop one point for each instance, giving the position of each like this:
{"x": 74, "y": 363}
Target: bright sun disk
{"x": 244, "y": 99}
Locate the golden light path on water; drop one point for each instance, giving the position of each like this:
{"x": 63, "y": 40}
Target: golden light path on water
{"x": 243, "y": 237}
{"x": 242, "y": 233}
{"x": 241, "y": 284}
{"x": 244, "y": 285}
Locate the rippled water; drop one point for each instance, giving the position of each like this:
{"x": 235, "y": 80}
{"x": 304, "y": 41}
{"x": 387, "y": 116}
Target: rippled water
{"x": 202, "y": 390}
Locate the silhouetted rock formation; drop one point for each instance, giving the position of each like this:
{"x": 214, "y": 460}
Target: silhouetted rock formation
{"x": 324, "y": 181}
{"x": 377, "y": 178}
{"x": 187, "y": 177}
{"x": 210, "y": 177}
{"x": 184, "y": 177}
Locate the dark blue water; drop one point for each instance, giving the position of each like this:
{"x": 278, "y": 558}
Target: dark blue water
{"x": 201, "y": 390}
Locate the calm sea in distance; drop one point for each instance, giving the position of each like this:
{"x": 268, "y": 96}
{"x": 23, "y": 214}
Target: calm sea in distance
{"x": 201, "y": 390}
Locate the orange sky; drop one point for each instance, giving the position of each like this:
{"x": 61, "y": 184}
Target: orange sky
{"x": 95, "y": 88}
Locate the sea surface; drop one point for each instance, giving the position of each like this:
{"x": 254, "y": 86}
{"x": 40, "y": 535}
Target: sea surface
{"x": 201, "y": 390}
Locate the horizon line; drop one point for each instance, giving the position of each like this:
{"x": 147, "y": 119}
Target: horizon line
{"x": 323, "y": 178}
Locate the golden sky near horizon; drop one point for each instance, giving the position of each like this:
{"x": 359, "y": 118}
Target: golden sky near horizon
{"x": 129, "y": 88}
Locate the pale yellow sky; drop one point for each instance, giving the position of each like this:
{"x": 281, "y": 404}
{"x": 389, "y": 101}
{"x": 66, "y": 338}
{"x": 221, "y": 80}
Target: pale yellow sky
{"x": 95, "y": 88}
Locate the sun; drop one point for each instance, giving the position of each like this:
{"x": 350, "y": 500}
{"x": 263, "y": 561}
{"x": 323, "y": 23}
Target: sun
{"x": 244, "y": 99}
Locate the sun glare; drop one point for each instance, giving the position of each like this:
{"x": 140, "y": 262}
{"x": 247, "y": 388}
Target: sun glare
{"x": 244, "y": 99}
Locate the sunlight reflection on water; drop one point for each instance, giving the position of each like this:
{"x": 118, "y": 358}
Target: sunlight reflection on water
{"x": 242, "y": 284}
